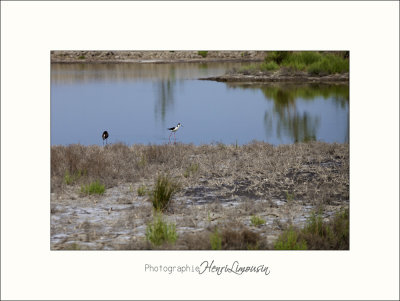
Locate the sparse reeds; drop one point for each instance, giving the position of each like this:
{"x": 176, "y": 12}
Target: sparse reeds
{"x": 159, "y": 232}
{"x": 163, "y": 190}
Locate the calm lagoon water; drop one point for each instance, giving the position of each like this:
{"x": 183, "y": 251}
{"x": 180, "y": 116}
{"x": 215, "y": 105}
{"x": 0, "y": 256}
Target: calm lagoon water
{"x": 136, "y": 103}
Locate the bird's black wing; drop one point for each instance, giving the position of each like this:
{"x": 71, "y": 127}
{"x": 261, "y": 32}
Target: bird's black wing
{"x": 171, "y": 128}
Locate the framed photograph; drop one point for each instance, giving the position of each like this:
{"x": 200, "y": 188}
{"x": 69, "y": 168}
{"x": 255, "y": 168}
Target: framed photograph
{"x": 204, "y": 150}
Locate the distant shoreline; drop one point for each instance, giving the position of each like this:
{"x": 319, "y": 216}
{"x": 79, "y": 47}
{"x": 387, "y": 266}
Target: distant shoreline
{"x": 155, "y": 57}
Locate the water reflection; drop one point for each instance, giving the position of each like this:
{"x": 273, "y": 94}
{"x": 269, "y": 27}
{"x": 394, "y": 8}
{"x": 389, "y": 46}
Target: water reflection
{"x": 301, "y": 127}
{"x": 288, "y": 118}
{"x": 165, "y": 98}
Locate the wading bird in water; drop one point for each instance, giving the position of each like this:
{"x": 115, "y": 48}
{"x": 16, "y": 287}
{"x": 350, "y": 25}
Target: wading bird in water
{"x": 173, "y": 130}
{"x": 104, "y": 136}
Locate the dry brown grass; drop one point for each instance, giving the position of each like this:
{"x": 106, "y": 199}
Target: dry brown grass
{"x": 317, "y": 172}
{"x": 234, "y": 236}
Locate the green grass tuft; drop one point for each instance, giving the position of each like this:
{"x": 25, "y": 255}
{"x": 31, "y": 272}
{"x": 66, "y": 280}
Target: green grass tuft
{"x": 257, "y": 221}
{"x": 141, "y": 191}
{"x": 93, "y": 188}
{"x": 68, "y": 179}
{"x": 72, "y": 178}
{"x": 159, "y": 232}
{"x": 216, "y": 240}
{"x": 164, "y": 189}
{"x": 290, "y": 240}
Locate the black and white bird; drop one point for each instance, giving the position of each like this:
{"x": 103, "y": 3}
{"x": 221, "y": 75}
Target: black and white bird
{"x": 173, "y": 130}
{"x": 104, "y": 136}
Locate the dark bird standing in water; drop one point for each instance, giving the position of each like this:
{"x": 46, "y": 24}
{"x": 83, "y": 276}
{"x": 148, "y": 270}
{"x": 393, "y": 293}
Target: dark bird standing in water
{"x": 105, "y": 136}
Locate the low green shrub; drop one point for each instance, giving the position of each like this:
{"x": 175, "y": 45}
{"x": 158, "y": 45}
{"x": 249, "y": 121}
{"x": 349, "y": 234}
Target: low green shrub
{"x": 202, "y": 53}
{"x": 159, "y": 232}
{"x": 93, "y": 188}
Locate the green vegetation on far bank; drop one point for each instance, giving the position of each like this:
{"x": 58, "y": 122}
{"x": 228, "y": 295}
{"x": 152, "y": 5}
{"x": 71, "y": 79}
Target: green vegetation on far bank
{"x": 312, "y": 62}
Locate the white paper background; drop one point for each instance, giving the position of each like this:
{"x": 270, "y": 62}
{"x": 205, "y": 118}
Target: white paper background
{"x": 370, "y": 30}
